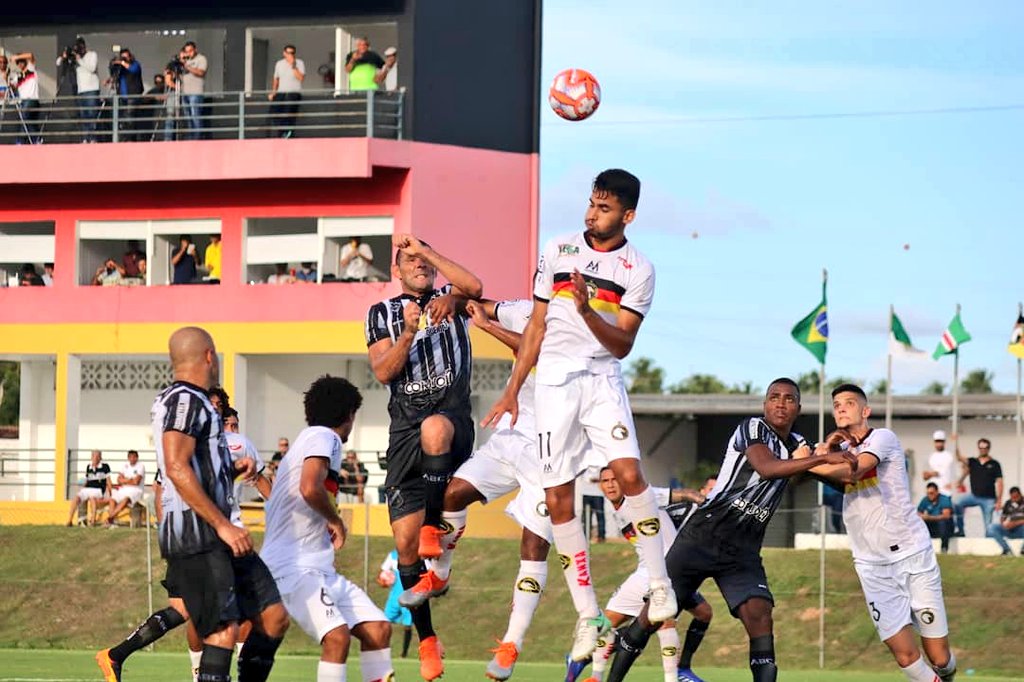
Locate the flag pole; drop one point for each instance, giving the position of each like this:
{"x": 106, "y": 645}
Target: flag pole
{"x": 821, "y": 390}
{"x": 956, "y": 386}
{"x": 1020, "y": 446}
{"x": 888, "y": 376}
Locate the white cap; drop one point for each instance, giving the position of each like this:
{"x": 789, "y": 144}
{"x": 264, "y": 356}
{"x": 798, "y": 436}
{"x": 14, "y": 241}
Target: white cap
{"x": 939, "y": 435}
{"x": 390, "y": 51}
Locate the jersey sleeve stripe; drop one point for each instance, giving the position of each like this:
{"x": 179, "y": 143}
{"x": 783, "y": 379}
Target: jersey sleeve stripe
{"x": 635, "y": 312}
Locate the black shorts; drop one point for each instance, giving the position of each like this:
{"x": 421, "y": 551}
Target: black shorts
{"x": 738, "y": 572}
{"x": 404, "y": 482}
{"x": 218, "y": 588}
{"x": 691, "y": 601}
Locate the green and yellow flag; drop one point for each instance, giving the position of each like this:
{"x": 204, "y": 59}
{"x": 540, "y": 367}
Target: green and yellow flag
{"x": 812, "y": 331}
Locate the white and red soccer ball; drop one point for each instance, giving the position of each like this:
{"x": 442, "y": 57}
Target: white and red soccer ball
{"x": 574, "y": 94}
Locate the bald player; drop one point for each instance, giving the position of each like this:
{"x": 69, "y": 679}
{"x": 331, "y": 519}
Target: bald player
{"x": 213, "y": 575}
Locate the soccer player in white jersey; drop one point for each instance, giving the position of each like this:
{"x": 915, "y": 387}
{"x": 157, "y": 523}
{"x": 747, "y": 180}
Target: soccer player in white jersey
{"x": 304, "y": 530}
{"x": 892, "y": 551}
{"x": 591, "y": 293}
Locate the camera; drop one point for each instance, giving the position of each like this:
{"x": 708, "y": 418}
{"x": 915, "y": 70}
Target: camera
{"x": 69, "y": 54}
{"x": 176, "y": 65}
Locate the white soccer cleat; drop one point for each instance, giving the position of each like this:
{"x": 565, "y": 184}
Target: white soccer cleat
{"x": 661, "y": 604}
{"x": 586, "y": 634}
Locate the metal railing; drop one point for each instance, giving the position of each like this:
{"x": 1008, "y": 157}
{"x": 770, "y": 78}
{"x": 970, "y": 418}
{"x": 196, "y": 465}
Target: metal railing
{"x": 214, "y": 116}
{"x": 27, "y": 474}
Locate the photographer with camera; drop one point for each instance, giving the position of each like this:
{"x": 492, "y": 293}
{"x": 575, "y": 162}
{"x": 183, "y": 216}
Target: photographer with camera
{"x": 87, "y": 84}
{"x": 193, "y": 84}
{"x": 126, "y": 79}
{"x": 109, "y": 274}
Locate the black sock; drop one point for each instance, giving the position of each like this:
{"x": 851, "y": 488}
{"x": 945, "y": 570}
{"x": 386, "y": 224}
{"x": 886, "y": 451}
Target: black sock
{"x": 215, "y": 665}
{"x": 629, "y": 645}
{"x": 257, "y": 657}
{"x": 406, "y": 640}
{"x": 437, "y": 471}
{"x": 694, "y": 636}
{"x": 762, "y": 659}
{"x": 154, "y": 627}
{"x": 410, "y": 575}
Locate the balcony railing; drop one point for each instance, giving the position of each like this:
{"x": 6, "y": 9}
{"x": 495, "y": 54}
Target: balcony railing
{"x": 217, "y": 116}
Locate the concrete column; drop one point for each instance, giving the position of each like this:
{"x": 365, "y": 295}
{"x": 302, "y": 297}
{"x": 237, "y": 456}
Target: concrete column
{"x": 68, "y": 412}
{"x": 237, "y": 384}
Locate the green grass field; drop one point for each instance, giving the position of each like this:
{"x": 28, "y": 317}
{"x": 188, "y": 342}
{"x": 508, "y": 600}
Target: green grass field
{"x": 65, "y": 666}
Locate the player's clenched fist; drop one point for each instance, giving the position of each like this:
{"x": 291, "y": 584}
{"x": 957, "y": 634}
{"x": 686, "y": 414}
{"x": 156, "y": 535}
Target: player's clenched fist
{"x": 411, "y": 317}
{"x": 408, "y": 244}
{"x": 238, "y": 539}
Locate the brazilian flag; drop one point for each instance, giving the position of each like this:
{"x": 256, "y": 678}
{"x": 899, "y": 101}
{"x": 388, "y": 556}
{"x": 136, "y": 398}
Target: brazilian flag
{"x": 812, "y": 331}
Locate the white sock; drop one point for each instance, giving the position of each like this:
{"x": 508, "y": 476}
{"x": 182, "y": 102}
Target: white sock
{"x": 238, "y": 648}
{"x": 376, "y": 665}
{"x": 605, "y": 648}
{"x": 195, "y": 657}
{"x": 642, "y": 511}
{"x": 442, "y": 566}
{"x": 919, "y": 671}
{"x": 669, "y": 640}
{"x": 949, "y": 667}
{"x": 572, "y": 549}
{"x": 530, "y": 583}
{"x": 330, "y": 672}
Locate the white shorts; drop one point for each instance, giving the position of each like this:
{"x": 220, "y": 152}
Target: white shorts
{"x": 90, "y": 494}
{"x": 321, "y": 602}
{"x": 628, "y": 599}
{"x": 908, "y": 592}
{"x": 132, "y": 493}
{"x": 588, "y": 410}
{"x": 530, "y": 511}
{"x": 495, "y": 469}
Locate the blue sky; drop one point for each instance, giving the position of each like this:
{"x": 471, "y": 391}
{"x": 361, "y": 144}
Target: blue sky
{"x": 740, "y": 217}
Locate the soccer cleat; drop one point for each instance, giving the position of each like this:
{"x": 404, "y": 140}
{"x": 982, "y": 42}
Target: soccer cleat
{"x": 948, "y": 677}
{"x": 586, "y": 634}
{"x": 573, "y": 669}
{"x": 111, "y": 668}
{"x": 500, "y": 667}
{"x": 430, "y": 542}
{"x": 431, "y": 652}
{"x": 428, "y": 587}
{"x": 661, "y": 604}
{"x": 687, "y": 675}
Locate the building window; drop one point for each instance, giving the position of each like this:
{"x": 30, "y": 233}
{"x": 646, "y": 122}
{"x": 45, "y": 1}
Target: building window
{"x": 143, "y": 252}
{"x": 26, "y": 253}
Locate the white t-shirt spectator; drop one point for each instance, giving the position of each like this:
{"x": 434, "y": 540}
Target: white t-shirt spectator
{"x": 357, "y": 268}
{"x": 944, "y": 462}
{"x": 192, "y": 84}
{"x": 286, "y": 80}
{"x": 85, "y": 72}
{"x": 28, "y": 85}
{"x": 279, "y": 279}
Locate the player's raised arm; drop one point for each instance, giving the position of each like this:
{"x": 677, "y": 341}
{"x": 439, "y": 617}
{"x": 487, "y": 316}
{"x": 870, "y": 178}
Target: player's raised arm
{"x": 526, "y": 358}
{"x": 463, "y": 281}
{"x": 485, "y": 318}
{"x": 311, "y": 487}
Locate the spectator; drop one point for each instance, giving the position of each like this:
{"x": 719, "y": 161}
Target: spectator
{"x": 211, "y": 257}
{"x": 130, "y": 480}
{"x": 390, "y": 69}
{"x": 184, "y": 261}
{"x": 942, "y": 466}
{"x": 142, "y": 269}
{"x": 30, "y": 277}
{"x": 127, "y": 72}
{"x": 3, "y": 76}
{"x": 48, "y": 274}
{"x": 356, "y": 260}
{"x": 286, "y": 91}
{"x": 280, "y": 275}
{"x": 364, "y": 67}
{"x": 353, "y": 477}
{"x": 593, "y": 502}
{"x": 282, "y": 450}
{"x": 28, "y": 95}
{"x": 986, "y": 485}
{"x": 306, "y": 273}
{"x": 86, "y": 62}
{"x": 1011, "y": 525}
{"x": 109, "y": 274}
{"x": 936, "y": 510}
{"x": 96, "y": 488}
{"x": 193, "y": 84}
{"x": 153, "y": 105}
{"x": 171, "y": 108}
{"x": 130, "y": 259}
{"x": 832, "y": 497}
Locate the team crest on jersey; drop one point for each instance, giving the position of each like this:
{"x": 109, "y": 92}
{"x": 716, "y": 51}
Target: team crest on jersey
{"x": 591, "y": 289}
{"x": 648, "y": 527}
{"x": 568, "y": 250}
{"x": 542, "y": 509}
{"x": 528, "y": 585}
{"x": 620, "y": 432}
{"x": 565, "y": 561}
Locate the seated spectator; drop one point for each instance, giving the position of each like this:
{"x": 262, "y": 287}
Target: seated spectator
{"x": 96, "y": 488}
{"x": 1011, "y": 525}
{"x": 30, "y": 277}
{"x": 356, "y": 261}
{"x": 130, "y": 259}
{"x": 130, "y": 482}
{"x": 48, "y": 274}
{"x": 184, "y": 261}
{"x": 307, "y": 273}
{"x": 211, "y": 257}
{"x": 936, "y": 510}
{"x": 280, "y": 275}
{"x": 353, "y": 477}
{"x": 109, "y": 274}
{"x": 282, "y": 449}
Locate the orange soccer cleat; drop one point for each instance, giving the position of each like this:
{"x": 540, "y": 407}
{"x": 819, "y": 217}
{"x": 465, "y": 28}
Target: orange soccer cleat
{"x": 428, "y": 587}
{"x": 500, "y": 667}
{"x": 431, "y": 652}
{"x": 111, "y": 668}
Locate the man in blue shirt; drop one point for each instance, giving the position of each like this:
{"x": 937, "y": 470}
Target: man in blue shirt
{"x": 936, "y": 511}
{"x": 184, "y": 261}
{"x": 128, "y": 73}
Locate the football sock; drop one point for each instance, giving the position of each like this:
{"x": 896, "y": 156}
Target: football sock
{"x": 454, "y": 525}
{"x": 572, "y": 552}
{"x": 437, "y": 471}
{"x": 919, "y": 671}
{"x": 530, "y": 583}
{"x": 152, "y": 629}
{"x": 238, "y": 648}
{"x": 406, "y": 641}
{"x": 257, "y": 657}
{"x": 628, "y": 647}
{"x": 410, "y": 575}
{"x": 605, "y": 648}
{"x": 694, "y": 636}
{"x": 376, "y": 665}
{"x": 642, "y": 511}
{"x": 762, "y": 658}
{"x": 947, "y": 669}
{"x": 669, "y": 640}
{"x": 194, "y": 657}
{"x": 330, "y": 672}
{"x": 215, "y": 665}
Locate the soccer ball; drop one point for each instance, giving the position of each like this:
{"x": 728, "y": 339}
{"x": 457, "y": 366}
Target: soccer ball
{"x": 574, "y": 95}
